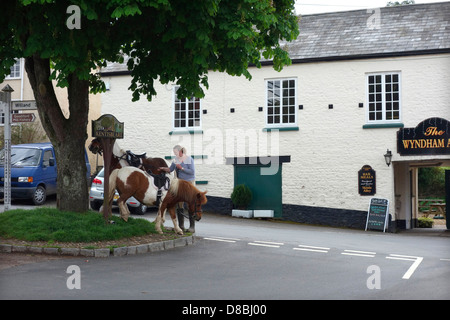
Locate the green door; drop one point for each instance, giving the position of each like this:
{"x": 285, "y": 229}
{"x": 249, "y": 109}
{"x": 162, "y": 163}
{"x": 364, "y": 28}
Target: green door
{"x": 266, "y": 189}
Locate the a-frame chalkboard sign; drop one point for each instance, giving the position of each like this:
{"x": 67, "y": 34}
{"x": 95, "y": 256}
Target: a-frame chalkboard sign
{"x": 377, "y": 215}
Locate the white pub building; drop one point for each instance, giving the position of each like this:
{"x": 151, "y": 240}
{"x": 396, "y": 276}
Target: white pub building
{"x": 365, "y": 103}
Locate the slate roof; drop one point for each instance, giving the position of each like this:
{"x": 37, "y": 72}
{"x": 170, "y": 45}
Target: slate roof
{"x": 387, "y": 31}
{"x": 401, "y": 30}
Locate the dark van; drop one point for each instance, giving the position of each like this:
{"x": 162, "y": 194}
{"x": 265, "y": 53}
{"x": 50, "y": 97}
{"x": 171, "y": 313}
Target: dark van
{"x": 33, "y": 171}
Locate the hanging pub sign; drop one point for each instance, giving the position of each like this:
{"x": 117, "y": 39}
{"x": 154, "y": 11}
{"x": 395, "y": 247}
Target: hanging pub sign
{"x": 107, "y": 126}
{"x": 366, "y": 181}
{"x": 430, "y": 137}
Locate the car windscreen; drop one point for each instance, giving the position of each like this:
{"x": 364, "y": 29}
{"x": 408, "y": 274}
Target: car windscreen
{"x": 22, "y": 157}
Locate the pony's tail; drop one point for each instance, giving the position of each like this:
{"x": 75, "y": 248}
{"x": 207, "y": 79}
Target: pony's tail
{"x": 112, "y": 184}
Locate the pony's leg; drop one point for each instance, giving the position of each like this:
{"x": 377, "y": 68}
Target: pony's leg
{"x": 124, "y": 213}
{"x": 158, "y": 222}
{"x": 160, "y": 217}
{"x": 174, "y": 220}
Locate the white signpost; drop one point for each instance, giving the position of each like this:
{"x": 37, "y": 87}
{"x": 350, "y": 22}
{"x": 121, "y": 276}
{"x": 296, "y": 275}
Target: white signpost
{"x": 6, "y": 106}
{"x": 7, "y": 176}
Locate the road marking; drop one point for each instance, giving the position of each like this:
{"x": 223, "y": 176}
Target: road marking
{"x": 312, "y": 248}
{"x": 445, "y": 259}
{"x": 359, "y": 253}
{"x": 221, "y": 239}
{"x": 266, "y": 244}
{"x": 417, "y": 261}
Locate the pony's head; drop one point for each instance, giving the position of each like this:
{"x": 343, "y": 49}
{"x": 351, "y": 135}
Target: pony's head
{"x": 96, "y": 146}
{"x": 195, "y": 207}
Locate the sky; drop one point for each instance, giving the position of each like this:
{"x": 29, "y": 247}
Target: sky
{"x": 304, "y": 7}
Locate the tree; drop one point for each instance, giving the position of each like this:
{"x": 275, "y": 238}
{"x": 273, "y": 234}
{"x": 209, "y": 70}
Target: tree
{"x": 398, "y": 3}
{"x": 172, "y": 41}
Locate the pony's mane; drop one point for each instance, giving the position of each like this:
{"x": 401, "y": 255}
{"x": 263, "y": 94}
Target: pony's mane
{"x": 183, "y": 188}
{"x": 117, "y": 150}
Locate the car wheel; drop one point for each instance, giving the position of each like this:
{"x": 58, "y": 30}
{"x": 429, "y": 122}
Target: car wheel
{"x": 142, "y": 209}
{"x": 95, "y": 205}
{"x": 39, "y": 196}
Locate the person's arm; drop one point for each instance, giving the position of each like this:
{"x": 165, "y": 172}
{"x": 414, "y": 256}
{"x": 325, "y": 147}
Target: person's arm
{"x": 189, "y": 168}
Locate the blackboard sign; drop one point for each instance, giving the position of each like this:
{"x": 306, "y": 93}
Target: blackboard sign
{"x": 377, "y": 214}
{"x": 366, "y": 181}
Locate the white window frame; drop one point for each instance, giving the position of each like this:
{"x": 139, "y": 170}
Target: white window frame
{"x": 267, "y": 113}
{"x": 186, "y": 112}
{"x": 383, "y": 100}
{"x": 18, "y": 64}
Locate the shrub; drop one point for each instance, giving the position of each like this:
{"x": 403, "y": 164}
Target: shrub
{"x": 425, "y": 222}
{"x": 241, "y": 196}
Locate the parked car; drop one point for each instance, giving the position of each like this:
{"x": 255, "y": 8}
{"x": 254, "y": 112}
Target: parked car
{"x": 33, "y": 171}
{"x": 96, "y": 196}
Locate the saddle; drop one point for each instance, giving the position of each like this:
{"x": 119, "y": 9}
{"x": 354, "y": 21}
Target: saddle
{"x": 133, "y": 159}
{"x": 161, "y": 181}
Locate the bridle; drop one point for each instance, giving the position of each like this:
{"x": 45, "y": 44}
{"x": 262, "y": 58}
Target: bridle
{"x": 194, "y": 214}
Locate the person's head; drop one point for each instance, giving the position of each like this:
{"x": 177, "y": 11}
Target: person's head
{"x": 179, "y": 151}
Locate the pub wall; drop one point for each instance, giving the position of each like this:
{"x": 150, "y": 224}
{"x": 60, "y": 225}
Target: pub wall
{"x": 330, "y": 145}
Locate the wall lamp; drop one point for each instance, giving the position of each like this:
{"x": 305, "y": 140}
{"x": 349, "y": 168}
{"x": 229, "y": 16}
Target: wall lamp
{"x": 388, "y": 157}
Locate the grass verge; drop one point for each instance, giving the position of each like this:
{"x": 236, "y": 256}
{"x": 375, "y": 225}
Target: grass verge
{"x": 50, "y": 224}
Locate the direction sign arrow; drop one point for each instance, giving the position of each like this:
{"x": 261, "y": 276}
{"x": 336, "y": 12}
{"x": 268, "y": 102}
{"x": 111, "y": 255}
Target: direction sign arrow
{"x": 23, "y": 117}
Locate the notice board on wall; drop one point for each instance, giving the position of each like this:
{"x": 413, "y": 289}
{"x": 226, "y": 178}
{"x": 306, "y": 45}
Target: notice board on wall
{"x": 377, "y": 214}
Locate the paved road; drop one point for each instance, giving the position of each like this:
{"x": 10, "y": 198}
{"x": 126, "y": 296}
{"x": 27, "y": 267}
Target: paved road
{"x": 252, "y": 259}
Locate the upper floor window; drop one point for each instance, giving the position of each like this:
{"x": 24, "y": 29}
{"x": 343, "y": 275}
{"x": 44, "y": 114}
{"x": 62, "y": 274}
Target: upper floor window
{"x": 15, "y": 70}
{"x": 383, "y": 97}
{"x": 280, "y": 102}
{"x": 187, "y": 112}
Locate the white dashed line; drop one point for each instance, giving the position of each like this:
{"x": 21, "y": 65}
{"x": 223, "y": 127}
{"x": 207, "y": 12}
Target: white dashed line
{"x": 221, "y": 239}
{"x": 416, "y": 260}
{"x": 359, "y": 253}
{"x": 266, "y": 244}
{"x": 312, "y": 249}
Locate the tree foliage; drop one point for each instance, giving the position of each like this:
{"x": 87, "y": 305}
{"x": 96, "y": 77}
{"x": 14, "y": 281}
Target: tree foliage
{"x": 166, "y": 40}
{"x": 432, "y": 182}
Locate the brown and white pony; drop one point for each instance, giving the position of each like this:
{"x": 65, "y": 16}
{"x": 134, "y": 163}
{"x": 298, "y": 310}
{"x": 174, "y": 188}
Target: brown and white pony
{"x": 133, "y": 182}
{"x": 118, "y": 158}
{"x": 180, "y": 191}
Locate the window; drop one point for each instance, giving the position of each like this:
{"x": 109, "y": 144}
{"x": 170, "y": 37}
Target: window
{"x": 15, "y": 70}
{"x": 187, "y": 113}
{"x": 281, "y": 102}
{"x": 383, "y": 97}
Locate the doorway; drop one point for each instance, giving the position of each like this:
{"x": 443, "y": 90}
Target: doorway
{"x": 432, "y": 190}
{"x": 266, "y": 189}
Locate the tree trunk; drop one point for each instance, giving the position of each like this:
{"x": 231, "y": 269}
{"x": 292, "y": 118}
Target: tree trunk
{"x": 68, "y": 135}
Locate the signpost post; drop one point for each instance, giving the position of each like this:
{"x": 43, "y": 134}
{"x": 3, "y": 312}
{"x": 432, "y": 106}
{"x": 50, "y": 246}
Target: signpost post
{"x": 7, "y": 127}
{"x": 107, "y": 128}
{"x": 7, "y": 106}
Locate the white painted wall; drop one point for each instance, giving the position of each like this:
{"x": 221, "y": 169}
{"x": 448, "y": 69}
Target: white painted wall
{"x": 328, "y": 149}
